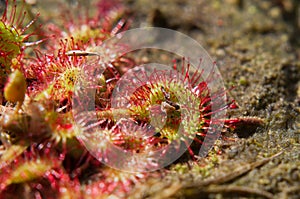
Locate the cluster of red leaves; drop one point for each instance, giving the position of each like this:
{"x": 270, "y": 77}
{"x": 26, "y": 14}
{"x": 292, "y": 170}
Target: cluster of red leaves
{"x": 40, "y": 154}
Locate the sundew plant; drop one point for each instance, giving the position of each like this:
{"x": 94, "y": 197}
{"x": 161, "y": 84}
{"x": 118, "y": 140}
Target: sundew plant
{"x": 42, "y": 154}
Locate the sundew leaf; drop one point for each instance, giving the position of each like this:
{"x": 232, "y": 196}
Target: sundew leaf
{"x": 11, "y": 42}
{"x": 28, "y": 171}
{"x": 10, "y": 154}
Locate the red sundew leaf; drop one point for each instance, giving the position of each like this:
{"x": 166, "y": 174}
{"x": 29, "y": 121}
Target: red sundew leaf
{"x": 111, "y": 182}
{"x": 55, "y": 183}
{"x": 26, "y": 171}
{"x": 10, "y": 154}
{"x": 13, "y": 37}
